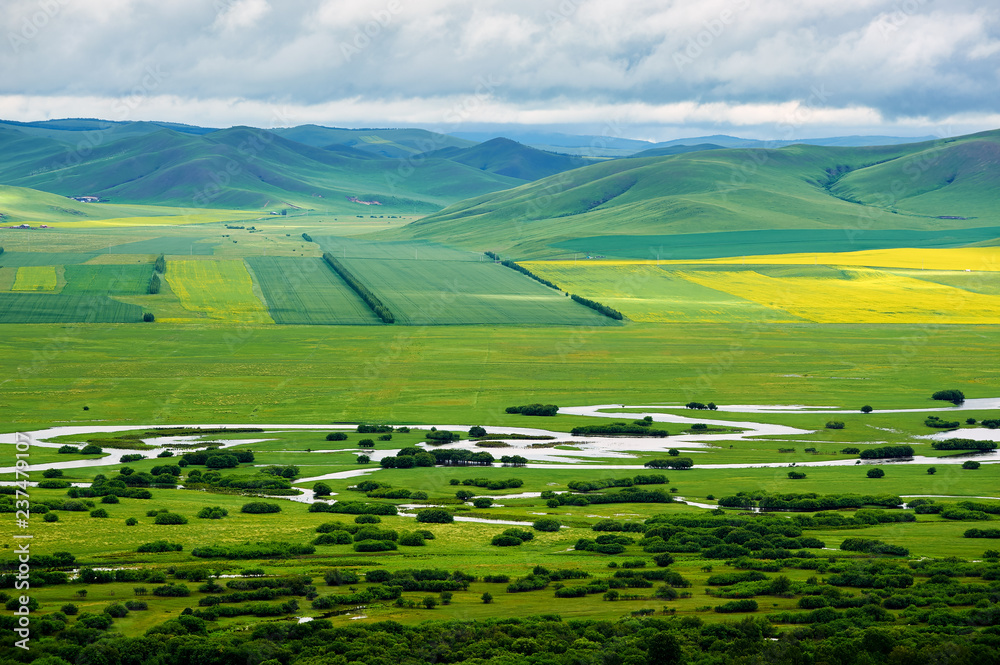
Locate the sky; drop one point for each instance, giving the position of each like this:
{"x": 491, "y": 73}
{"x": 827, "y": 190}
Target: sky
{"x": 648, "y": 69}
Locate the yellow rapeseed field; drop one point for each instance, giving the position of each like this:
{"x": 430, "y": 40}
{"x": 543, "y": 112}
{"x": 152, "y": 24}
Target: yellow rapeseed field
{"x": 859, "y": 296}
{"x": 35, "y": 278}
{"x": 649, "y": 294}
{"x": 220, "y": 289}
{"x": 974, "y": 259}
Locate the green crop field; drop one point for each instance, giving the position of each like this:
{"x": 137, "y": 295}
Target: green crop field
{"x": 108, "y": 279}
{"x": 65, "y": 308}
{"x": 222, "y": 290}
{"x": 431, "y": 292}
{"x": 307, "y": 291}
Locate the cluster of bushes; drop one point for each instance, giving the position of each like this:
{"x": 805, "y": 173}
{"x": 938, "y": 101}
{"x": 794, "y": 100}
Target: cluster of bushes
{"x": 353, "y": 508}
{"x": 462, "y": 458}
{"x": 678, "y": 463}
{"x": 963, "y": 444}
{"x": 872, "y": 546}
{"x": 369, "y": 428}
{"x": 618, "y": 429}
{"x": 212, "y": 513}
{"x": 126, "y": 459}
{"x": 432, "y": 580}
{"x": 936, "y": 422}
{"x": 510, "y": 483}
{"x": 376, "y": 305}
{"x": 534, "y": 409}
{"x": 159, "y": 546}
{"x": 982, "y": 533}
{"x": 217, "y": 459}
{"x": 513, "y": 460}
{"x": 954, "y": 396}
{"x": 807, "y": 501}
{"x": 260, "y": 482}
{"x": 259, "y": 550}
{"x": 701, "y": 407}
{"x": 336, "y": 436}
{"x": 594, "y": 485}
{"x": 512, "y": 538}
{"x": 887, "y": 452}
{"x": 541, "y": 577}
{"x": 260, "y": 508}
{"x": 626, "y": 495}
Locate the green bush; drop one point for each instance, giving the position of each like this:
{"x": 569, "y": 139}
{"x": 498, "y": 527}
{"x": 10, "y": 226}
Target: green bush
{"x": 169, "y": 518}
{"x": 546, "y": 524}
{"x": 260, "y": 507}
{"x": 435, "y": 516}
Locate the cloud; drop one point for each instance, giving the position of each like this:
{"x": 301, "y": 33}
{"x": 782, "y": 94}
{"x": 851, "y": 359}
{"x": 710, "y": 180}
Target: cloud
{"x": 659, "y": 61}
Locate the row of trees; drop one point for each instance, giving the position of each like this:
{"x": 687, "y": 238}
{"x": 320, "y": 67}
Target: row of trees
{"x": 532, "y": 410}
{"x": 376, "y": 305}
{"x": 609, "y": 312}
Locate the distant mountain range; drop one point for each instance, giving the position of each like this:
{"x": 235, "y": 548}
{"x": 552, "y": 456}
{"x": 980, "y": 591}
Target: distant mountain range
{"x": 408, "y": 170}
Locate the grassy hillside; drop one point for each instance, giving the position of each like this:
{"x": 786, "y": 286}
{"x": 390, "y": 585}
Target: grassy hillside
{"x": 511, "y": 159}
{"x": 793, "y": 188}
{"x": 392, "y": 143}
{"x": 237, "y": 167}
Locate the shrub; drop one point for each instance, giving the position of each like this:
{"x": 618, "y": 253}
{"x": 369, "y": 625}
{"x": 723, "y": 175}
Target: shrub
{"x": 546, "y": 524}
{"x": 876, "y": 473}
{"x": 366, "y": 443}
{"x": 159, "y": 546}
{"x": 866, "y": 409}
{"x": 477, "y": 431}
{"x": 336, "y": 436}
{"x": 136, "y": 605}
{"x": 260, "y": 507}
{"x": 501, "y": 540}
{"x": 435, "y": 516}
{"x": 835, "y": 424}
{"x": 110, "y": 498}
{"x": 69, "y": 609}
{"x": 374, "y": 546}
{"x": 743, "y": 605}
{"x": 487, "y": 597}
{"x": 367, "y": 519}
{"x": 970, "y": 465}
{"x": 364, "y": 459}
{"x": 169, "y": 518}
{"x": 91, "y": 449}
{"x": 482, "y": 502}
{"x": 334, "y": 538}
{"x": 931, "y": 471}
{"x": 795, "y": 475}
{"x": 100, "y": 512}
{"x": 534, "y": 409}
{"x": 412, "y": 540}
{"x": 52, "y": 473}
{"x": 51, "y": 517}
{"x": 953, "y": 396}
{"x": 212, "y": 513}
{"x": 850, "y": 451}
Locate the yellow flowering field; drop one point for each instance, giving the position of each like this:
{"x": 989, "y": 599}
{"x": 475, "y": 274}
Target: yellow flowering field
{"x": 857, "y": 296}
{"x": 35, "y": 278}
{"x": 646, "y": 293}
{"x": 220, "y": 289}
{"x": 974, "y": 259}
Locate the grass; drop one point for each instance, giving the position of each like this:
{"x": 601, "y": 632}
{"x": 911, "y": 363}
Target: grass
{"x": 307, "y": 291}
{"x": 222, "y": 290}
{"x": 35, "y": 278}
{"x": 302, "y": 374}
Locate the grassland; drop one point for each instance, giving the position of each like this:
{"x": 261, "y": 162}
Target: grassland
{"x": 221, "y": 290}
{"x": 108, "y": 279}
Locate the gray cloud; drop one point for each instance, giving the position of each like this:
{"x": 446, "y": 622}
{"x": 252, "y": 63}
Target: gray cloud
{"x": 897, "y": 63}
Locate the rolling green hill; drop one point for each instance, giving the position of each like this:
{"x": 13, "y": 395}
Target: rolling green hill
{"x": 939, "y": 186}
{"x": 236, "y": 168}
{"x": 510, "y": 158}
{"x": 391, "y": 143}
